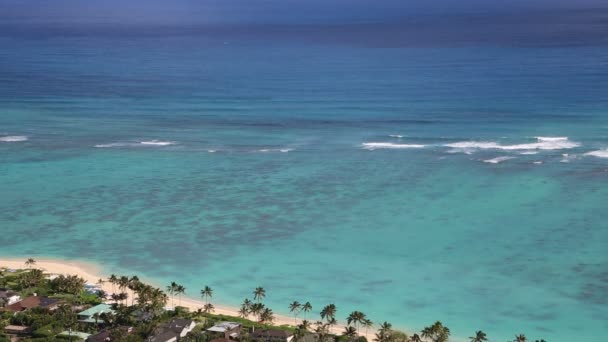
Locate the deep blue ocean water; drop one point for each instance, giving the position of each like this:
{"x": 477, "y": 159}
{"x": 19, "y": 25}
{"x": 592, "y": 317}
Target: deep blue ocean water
{"x": 408, "y": 182}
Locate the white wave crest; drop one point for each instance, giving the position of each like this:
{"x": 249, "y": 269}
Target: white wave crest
{"x": 13, "y": 138}
{"x": 395, "y": 136}
{"x": 598, "y": 153}
{"x": 282, "y": 150}
{"x": 157, "y": 143}
{"x": 542, "y": 143}
{"x": 110, "y": 145}
{"x": 497, "y": 160}
{"x": 529, "y": 153}
{"x": 382, "y": 145}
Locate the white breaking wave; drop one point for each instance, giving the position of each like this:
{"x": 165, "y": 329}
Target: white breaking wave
{"x": 380, "y": 145}
{"x": 542, "y": 143}
{"x": 157, "y": 143}
{"x": 538, "y": 162}
{"x": 110, "y": 145}
{"x": 527, "y": 153}
{"x": 283, "y": 150}
{"x": 396, "y": 136}
{"x": 13, "y": 138}
{"x": 145, "y": 143}
{"x": 497, "y": 160}
{"x": 598, "y": 153}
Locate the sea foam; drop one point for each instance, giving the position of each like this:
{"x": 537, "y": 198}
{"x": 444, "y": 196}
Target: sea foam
{"x": 13, "y": 138}
{"x": 598, "y": 153}
{"x": 157, "y": 143}
{"x": 383, "y": 145}
{"x": 542, "y": 143}
{"x": 497, "y": 160}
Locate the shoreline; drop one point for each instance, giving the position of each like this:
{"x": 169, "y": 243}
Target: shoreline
{"x": 92, "y": 272}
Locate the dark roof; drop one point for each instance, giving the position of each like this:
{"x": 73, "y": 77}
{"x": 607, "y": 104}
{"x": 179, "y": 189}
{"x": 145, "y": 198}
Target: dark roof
{"x": 32, "y": 302}
{"x": 100, "y": 336}
{"x": 5, "y": 293}
{"x": 264, "y": 333}
{"x": 171, "y": 329}
{"x": 164, "y": 336}
{"x": 178, "y": 324}
{"x": 104, "y": 335}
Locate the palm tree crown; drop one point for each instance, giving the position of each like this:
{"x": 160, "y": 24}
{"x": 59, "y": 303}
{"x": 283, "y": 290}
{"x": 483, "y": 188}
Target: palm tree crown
{"x": 259, "y": 293}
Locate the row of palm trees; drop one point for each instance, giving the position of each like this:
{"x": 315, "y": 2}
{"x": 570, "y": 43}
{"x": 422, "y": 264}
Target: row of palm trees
{"x": 256, "y": 308}
{"x": 151, "y": 298}
{"x": 436, "y": 332}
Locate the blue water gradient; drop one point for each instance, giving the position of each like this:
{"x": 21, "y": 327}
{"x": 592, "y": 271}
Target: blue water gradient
{"x": 238, "y": 163}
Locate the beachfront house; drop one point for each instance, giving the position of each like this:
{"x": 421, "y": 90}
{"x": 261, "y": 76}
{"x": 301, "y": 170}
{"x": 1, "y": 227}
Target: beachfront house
{"x": 16, "y": 331}
{"x": 229, "y": 330}
{"x": 8, "y": 297}
{"x": 173, "y": 331}
{"x": 34, "y": 302}
{"x": 72, "y": 334}
{"x": 107, "y": 336}
{"x": 271, "y": 335}
{"x": 91, "y": 315}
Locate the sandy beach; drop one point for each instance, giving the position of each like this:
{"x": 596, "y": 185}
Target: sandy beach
{"x": 91, "y": 273}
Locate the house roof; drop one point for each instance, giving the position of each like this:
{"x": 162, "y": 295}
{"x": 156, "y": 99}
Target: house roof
{"x": 262, "y": 333}
{"x": 99, "y": 309}
{"x": 223, "y": 326}
{"x": 79, "y": 334}
{"x": 16, "y": 328}
{"x": 171, "y": 330}
{"x": 104, "y": 335}
{"x": 164, "y": 336}
{"x": 6, "y": 293}
{"x": 32, "y": 302}
{"x": 101, "y": 336}
{"x": 178, "y": 324}
{"x": 221, "y": 339}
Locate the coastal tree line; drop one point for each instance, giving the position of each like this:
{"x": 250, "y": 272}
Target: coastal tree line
{"x": 147, "y": 299}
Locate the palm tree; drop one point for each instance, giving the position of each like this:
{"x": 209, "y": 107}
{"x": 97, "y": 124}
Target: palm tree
{"x": 267, "y": 316}
{"x": 349, "y": 331}
{"x": 171, "y": 290}
{"x": 355, "y": 317}
{"x": 30, "y": 262}
{"x": 328, "y": 312}
{"x": 480, "y": 336}
{"x": 295, "y": 309}
{"x": 112, "y": 279}
{"x": 208, "y": 308}
{"x": 207, "y": 293}
{"x": 259, "y": 293}
{"x": 307, "y": 307}
{"x": 367, "y": 323}
{"x": 415, "y": 338}
{"x": 436, "y": 332}
{"x": 256, "y": 309}
{"x": 243, "y": 312}
{"x": 96, "y": 317}
{"x": 520, "y": 338}
{"x": 305, "y": 325}
{"x": 180, "y": 290}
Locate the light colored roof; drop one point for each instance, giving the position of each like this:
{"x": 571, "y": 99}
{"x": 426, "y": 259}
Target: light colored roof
{"x": 223, "y": 326}
{"x": 79, "y": 334}
{"x": 101, "y": 308}
{"x": 16, "y": 327}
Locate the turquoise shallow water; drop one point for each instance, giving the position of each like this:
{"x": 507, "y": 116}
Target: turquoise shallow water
{"x": 238, "y": 165}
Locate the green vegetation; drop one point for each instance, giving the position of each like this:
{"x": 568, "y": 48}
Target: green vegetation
{"x": 145, "y": 311}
